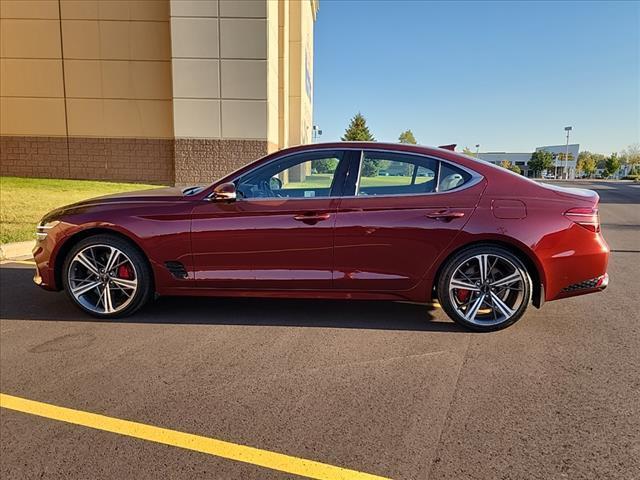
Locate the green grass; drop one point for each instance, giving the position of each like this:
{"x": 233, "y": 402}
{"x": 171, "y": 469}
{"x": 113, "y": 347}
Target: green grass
{"x": 390, "y": 181}
{"x": 323, "y": 180}
{"x": 23, "y": 201}
{"x": 316, "y": 180}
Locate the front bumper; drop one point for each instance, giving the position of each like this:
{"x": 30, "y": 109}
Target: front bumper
{"x": 44, "y": 275}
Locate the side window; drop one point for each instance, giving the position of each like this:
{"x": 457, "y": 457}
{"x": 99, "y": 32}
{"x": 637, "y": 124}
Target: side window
{"x": 306, "y": 175}
{"x": 383, "y": 173}
{"x": 451, "y": 177}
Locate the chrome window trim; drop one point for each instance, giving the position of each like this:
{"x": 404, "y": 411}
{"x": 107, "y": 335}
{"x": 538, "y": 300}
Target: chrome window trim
{"x": 357, "y": 185}
{"x": 474, "y": 180}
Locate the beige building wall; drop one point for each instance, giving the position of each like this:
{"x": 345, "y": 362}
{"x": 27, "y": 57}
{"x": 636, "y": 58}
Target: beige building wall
{"x": 220, "y": 56}
{"x": 152, "y": 90}
{"x": 31, "y": 83}
{"x": 85, "y": 89}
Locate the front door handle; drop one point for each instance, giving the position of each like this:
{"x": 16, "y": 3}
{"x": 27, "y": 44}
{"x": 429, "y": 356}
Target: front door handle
{"x": 445, "y": 215}
{"x": 312, "y": 218}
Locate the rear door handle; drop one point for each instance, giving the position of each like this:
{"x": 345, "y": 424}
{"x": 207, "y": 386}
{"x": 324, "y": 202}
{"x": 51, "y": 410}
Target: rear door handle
{"x": 445, "y": 215}
{"x": 312, "y": 218}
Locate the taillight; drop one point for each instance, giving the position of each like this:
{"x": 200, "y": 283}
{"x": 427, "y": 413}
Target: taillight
{"x": 585, "y": 217}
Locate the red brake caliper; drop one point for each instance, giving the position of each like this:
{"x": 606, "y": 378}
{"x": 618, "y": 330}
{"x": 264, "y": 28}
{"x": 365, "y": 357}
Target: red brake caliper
{"x": 125, "y": 271}
{"x": 462, "y": 295}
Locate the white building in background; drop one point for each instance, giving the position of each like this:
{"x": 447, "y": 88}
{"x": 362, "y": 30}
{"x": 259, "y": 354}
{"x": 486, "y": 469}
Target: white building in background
{"x": 521, "y": 159}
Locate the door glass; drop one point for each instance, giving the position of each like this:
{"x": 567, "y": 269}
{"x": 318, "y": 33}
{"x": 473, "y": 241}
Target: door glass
{"x": 306, "y": 175}
{"x": 451, "y": 177}
{"x": 384, "y": 173}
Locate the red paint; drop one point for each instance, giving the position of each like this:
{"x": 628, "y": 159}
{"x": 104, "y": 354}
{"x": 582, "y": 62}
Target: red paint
{"x": 385, "y": 247}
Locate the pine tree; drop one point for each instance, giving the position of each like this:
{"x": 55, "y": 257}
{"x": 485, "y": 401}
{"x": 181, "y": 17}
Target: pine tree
{"x": 357, "y": 131}
{"x": 407, "y": 137}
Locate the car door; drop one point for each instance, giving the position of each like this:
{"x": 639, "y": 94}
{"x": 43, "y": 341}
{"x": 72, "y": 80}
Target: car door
{"x": 403, "y": 210}
{"x": 278, "y": 234}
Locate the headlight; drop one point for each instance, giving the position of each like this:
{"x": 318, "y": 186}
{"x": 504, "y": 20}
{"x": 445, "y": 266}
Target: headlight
{"x": 42, "y": 230}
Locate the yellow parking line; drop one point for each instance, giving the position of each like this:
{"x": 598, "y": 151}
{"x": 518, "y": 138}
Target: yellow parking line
{"x": 219, "y": 448}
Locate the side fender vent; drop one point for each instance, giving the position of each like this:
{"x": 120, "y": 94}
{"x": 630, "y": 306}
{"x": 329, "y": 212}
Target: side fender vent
{"x": 177, "y": 269}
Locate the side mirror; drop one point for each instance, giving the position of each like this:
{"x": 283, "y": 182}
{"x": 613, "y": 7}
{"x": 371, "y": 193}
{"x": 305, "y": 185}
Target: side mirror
{"x": 275, "y": 183}
{"x": 225, "y": 192}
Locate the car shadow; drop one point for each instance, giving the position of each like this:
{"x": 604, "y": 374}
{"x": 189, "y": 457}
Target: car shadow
{"x": 20, "y": 299}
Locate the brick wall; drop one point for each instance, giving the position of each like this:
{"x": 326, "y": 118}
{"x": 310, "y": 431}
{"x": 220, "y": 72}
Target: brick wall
{"x": 118, "y": 159}
{"x": 122, "y": 159}
{"x": 34, "y": 157}
{"x": 201, "y": 161}
{"x": 183, "y": 161}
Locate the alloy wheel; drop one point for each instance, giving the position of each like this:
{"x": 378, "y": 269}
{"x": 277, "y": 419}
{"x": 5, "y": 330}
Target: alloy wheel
{"x": 487, "y": 289}
{"x": 102, "y": 279}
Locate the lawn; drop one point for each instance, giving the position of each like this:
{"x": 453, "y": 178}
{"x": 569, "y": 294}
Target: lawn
{"x": 323, "y": 180}
{"x": 23, "y": 201}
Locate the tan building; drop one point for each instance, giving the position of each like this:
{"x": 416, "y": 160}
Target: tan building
{"x": 161, "y": 91}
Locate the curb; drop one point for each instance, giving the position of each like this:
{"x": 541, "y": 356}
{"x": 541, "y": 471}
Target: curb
{"x": 16, "y": 250}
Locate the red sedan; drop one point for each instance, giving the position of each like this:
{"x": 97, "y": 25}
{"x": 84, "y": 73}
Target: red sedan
{"x": 339, "y": 220}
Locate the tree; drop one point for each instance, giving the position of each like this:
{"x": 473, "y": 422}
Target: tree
{"x": 586, "y": 163}
{"x": 510, "y": 166}
{"x": 371, "y": 167}
{"x": 468, "y": 152}
{"x": 540, "y": 161}
{"x": 600, "y": 160}
{"x": 407, "y": 137}
{"x": 612, "y": 164}
{"x": 631, "y": 156}
{"x": 357, "y": 131}
{"x": 324, "y": 165}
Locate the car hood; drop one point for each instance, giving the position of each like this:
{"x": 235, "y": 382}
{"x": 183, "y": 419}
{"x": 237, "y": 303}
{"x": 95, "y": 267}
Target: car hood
{"x": 152, "y": 194}
{"x": 167, "y": 194}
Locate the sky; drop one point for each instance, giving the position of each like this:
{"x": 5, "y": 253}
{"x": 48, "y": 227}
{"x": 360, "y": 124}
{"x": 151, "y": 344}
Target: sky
{"x": 506, "y": 75}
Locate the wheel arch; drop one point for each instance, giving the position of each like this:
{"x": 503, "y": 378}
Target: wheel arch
{"x": 527, "y": 257}
{"x": 73, "y": 239}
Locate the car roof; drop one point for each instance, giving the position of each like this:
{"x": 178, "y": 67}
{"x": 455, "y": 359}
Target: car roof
{"x": 481, "y": 167}
{"x": 367, "y": 145}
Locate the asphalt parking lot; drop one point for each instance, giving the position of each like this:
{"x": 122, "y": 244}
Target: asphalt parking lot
{"x": 390, "y": 389}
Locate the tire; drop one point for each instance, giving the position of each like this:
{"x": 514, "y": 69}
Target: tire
{"x": 493, "y": 301}
{"x": 129, "y": 281}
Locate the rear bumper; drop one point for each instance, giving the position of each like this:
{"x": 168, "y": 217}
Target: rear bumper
{"x": 579, "y": 269}
{"x": 592, "y": 285}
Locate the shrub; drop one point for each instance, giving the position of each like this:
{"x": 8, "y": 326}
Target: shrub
{"x": 370, "y": 167}
{"x": 324, "y": 165}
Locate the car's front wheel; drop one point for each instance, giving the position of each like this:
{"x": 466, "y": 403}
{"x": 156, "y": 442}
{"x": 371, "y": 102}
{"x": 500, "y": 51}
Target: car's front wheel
{"x": 107, "y": 277}
{"x": 484, "y": 288}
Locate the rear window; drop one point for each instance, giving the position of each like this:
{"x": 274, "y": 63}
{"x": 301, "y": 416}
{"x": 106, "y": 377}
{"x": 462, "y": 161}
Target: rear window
{"x": 451, "y": 177}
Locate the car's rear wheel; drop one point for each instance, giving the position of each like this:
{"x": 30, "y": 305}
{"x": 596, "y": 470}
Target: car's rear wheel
{"x": 484, "y": 288}
{"x": 107, "y": 277}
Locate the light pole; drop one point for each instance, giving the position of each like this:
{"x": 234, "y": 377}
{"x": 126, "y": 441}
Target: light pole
{"x": 477, "y": 150}
{"x": 566, "y": 153}
{"x": 316, "y": 132}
